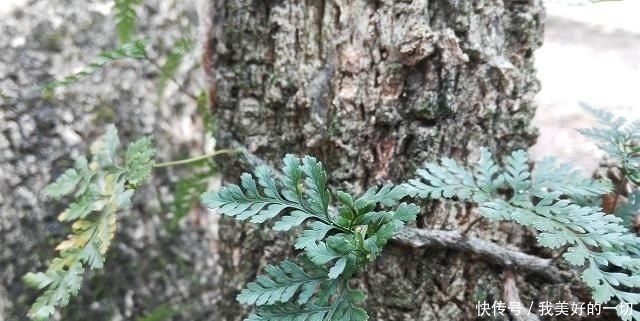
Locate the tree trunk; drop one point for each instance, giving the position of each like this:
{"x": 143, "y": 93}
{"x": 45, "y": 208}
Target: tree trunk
{"x": 373, "y": 89}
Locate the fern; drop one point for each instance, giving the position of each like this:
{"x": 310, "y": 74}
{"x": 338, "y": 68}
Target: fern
{"x": 280, "y": 284}
{"x": 134, "y": 49}
{"x": 162, "y": 312}
{"x": 187, "y": 192}
{"x": 544, "y": 199}
{"x": 342, "y": 309}
{"x": 125, "y": 16}
{"x": 173, "y": 60}
{"x": 100, "y": 189}
{"x": 337, "y": 243}
{"x": 619, "y": 139}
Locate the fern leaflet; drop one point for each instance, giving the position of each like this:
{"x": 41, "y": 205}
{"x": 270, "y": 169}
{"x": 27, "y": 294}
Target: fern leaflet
{"x": 280, "y": 285}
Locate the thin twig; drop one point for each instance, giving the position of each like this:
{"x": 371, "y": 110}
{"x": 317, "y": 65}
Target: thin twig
{"x": 489, "y": 251}
{"x": 511, "y": 294}
{"x": 474, "y": 222}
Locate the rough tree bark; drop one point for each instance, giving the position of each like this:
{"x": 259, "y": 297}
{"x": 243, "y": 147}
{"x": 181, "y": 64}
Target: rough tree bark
{"x": 373, "y": 89}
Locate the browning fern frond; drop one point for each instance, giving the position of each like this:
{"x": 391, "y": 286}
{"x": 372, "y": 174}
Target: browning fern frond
{"x": 102, "y": 188}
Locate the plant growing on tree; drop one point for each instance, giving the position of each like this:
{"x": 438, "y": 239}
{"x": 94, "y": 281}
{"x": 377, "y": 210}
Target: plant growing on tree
{"x": 337, "y": 244}
{"x": 100, "y": 189}
{"x": 103, "y": 187}
{"x": 339, "y": 241}
{"x": 552, "y": 199}
{"x": 621, "y": 141}
{"x": 549, "y": 200}
{"x": 190, "y": 187}
{"x": 342, "y": 236}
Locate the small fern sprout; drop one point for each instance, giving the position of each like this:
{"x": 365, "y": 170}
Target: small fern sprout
{"x": 335, "y": 245}
{"x": 547, "y": 199}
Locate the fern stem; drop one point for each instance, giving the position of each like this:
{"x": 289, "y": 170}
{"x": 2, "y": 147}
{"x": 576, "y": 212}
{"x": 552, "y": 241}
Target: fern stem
{"x": 180, "y": 86}
{"x": 194, "y": 159}
{"x": 619, "y": 190}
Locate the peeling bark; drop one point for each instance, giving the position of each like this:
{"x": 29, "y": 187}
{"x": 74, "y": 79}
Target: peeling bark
{"x": 373, "y": 89}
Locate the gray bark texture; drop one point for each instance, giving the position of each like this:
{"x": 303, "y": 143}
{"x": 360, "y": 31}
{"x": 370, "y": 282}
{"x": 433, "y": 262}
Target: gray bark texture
{"x": 373, "y": 89}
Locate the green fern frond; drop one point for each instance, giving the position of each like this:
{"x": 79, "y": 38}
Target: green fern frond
{"x": 338, "y": 242}
{"x": 134, "y": 49}
{"x": 487, "y": 176}
{"x": 281, "y": 284}
{"x": 544, "y": 199}
{"x": 125, "y": 15}
{"x": 64, "y": 185}
{"x": 316, "y": 232}
{"x": 187, "y": 192}
{"x": 139, "y": 161}
{"x": 59, "y": 285}
{"x": 445, "y": 182}
{"x": 100, "y": 192}
{"x": 268, "y": 203}
{"x": 549, "y": 175}
{"x": 450, "y": 179}
{"x": 344, "y": 309}
{"x": 619, "y": 139}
